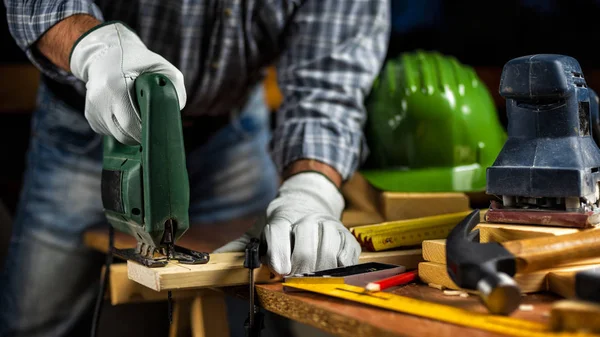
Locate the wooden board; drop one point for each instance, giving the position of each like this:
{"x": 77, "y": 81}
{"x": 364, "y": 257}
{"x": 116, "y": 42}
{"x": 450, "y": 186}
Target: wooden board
{"x": 506, "y": 232}
{"x": 436, "y": 273}
{"x": 563, "y": 282}
{"x": 227, "y": 269}
{"x": 367, "y": 205}
{"x": 344, "y": 318}
{"x": 434, "y": 251}
{"x": 356, "y": 217}
{"x": 400, "y": 206}
{"x": 122, "y": 290}
{"x": 575, "y": 316}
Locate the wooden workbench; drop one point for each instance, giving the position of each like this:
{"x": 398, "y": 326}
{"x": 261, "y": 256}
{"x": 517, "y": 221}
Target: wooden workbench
{"x": 345, "y": 318}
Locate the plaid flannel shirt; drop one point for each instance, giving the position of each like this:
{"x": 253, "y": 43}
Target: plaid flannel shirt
{"x": 326, "y": 60}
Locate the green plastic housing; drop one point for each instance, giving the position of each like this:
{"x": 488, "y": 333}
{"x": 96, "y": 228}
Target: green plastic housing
{"x": 146, "y": 185}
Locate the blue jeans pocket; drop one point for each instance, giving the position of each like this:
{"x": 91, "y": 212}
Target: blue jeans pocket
{"x": 254, "y": 116}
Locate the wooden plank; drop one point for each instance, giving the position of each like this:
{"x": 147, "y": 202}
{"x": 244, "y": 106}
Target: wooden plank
{"x": 356, "y": 217}
{"x": 575, "y": 316}
{"x": 343, "y": 318}
{"x": 209, "y": 315}
{"x": 122, "y": 290}
{"x": 434, "y": 251}
{"x": 507, "y": 232}
{"x": 399, "y": 206}
{"x": 340, "y": 318}
{"x": 227, "y": 269}
{"x": 430, "y": 272}
{"x": 563, "y": 282}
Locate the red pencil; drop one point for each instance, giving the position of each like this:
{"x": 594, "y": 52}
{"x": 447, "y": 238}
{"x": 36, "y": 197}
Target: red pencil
{"x": 392, "y": 281}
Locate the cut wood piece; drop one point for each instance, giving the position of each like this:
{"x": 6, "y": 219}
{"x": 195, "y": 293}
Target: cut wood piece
{"x": 122, "y": 290}
{"x": 575, "y": 316}
{"x": 563, "y": 282}
{"x": 227, "y": 270}
{"x": 355, "y": 217}
{"x": 399, "y": 206}
{"x": 507, "y": 232}
{"x": 430, "y": 272}
{"x": 434, "y": 251}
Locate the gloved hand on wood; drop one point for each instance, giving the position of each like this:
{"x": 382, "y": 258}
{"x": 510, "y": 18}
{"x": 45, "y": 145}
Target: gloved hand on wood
{"x": 302, "y": 228}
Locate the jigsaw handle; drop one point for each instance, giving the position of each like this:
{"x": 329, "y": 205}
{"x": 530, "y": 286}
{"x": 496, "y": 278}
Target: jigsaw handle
{"x": 546, "y": 252}
{"x": 166, "y": 192}
{"x": 145, "y": 187}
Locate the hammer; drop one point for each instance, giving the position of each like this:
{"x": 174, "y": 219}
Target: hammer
{"x": 489, "y": 267}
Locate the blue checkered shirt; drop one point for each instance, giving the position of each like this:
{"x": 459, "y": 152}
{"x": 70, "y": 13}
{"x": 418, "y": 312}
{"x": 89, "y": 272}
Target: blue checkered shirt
{"x": 326, "y": 60}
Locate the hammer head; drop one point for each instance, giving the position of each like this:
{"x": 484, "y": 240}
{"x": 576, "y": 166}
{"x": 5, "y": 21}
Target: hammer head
{"x": 484, "y": 267}
{"x": 587, "y": 285}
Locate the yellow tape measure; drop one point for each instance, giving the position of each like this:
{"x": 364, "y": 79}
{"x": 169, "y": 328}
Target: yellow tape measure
{"x": 439, "y": 312}
{"x": 410, "y": 232}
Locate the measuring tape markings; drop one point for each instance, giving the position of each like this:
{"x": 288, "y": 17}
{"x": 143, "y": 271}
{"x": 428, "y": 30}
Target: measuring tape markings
{"x": 439, "y": 312}
{"x": 408, "y": 232}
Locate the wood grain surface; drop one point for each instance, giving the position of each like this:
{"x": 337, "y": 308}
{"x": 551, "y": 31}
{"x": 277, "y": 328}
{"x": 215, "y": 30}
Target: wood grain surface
{"x": 227, "y": 269}
{"x": 546, "y": 252}
{"x": 575, "y": 316}
{"x": 509, "y": 232}
{"x": 346, "y": 318}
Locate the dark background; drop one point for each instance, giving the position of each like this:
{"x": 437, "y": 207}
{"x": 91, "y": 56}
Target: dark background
{"x": 484, "y": 34}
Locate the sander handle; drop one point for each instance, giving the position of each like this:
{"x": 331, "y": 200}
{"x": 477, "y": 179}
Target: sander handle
{"x": 546, "y": 252}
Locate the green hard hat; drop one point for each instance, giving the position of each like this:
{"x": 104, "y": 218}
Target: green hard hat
{"x": 432, "y": 126}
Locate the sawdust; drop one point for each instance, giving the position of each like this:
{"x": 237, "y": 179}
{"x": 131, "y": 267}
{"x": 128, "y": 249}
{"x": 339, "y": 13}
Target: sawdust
{"x": 526, "y": 307}
{"x": 436, "y": 286}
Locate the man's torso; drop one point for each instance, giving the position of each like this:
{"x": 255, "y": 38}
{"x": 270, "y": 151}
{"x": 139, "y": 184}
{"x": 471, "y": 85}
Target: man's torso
{"x": 221, "y": 46}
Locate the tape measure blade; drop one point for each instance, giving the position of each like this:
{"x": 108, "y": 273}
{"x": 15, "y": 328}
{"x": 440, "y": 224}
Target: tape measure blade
{"x": 501, "y": 324}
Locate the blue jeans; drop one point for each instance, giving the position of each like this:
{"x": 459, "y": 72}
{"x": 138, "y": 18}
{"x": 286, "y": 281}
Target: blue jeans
{"x": 50, "y": 279}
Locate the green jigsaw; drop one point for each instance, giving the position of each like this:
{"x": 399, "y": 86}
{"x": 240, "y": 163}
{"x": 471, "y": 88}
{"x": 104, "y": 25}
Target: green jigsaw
{"x": 145, "y": 188}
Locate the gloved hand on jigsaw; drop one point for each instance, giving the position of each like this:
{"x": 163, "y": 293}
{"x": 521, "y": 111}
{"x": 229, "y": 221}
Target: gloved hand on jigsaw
{"x": 109, "y": 59}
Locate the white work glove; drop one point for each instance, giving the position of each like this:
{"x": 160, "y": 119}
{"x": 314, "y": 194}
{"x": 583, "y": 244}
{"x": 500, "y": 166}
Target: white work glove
{"x": 302, "y": 228}
{"x": 108, "y": 59}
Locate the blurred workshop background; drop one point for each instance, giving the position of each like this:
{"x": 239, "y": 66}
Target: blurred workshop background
{"x": 483, "y": 34}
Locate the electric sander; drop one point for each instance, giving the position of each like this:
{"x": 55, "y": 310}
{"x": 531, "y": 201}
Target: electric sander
{"x": 145, "y": 188}
{"x": 548, "y": 171}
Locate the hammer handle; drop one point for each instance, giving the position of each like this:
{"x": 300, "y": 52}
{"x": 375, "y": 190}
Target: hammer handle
{"x": 547, "y": 252}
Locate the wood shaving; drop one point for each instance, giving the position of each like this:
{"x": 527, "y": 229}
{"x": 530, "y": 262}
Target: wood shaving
{"x": 452, "y": 292}
{"x": 436, "y": 286}
{"x": 526, "y": 307}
